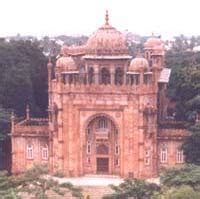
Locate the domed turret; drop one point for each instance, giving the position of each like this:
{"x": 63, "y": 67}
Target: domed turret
{"x": 107, "y": 41}
{"x": 138, "y": 64}
{"x": 153, "y": 42}
{"x": 67, "y": 63}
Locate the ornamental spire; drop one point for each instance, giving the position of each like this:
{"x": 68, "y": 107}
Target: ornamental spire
{"x": 107, "y": 18}
{"x": 27, "y": 112}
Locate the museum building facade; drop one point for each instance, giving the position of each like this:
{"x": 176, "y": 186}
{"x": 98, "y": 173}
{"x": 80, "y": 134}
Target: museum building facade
{"x": 107, "y": 112}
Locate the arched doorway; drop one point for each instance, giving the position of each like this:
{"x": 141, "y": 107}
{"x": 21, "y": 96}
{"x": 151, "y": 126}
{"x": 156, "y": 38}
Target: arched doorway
{"x": 101, "y": 149}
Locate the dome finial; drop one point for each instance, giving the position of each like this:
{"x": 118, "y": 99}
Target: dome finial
{"x": 107, "y": 18}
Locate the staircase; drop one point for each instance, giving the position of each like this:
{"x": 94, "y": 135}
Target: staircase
{"x": 96, "y": 192}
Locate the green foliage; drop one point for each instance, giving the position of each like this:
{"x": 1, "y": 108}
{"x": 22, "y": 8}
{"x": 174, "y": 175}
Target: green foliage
{"x": 184, "y": 88}
{"x": 35, "y": 182}
{"x": 23, "y": 76}
{"x": 182, "y": 192}
{"x": 191, "y": 145}
{"x": 187, "y": 175}
{"x": 4, "y": 138}
{"x": 59, "y": 174}
{"x": 4, "y": 123}
{"x": 76, "y": 191}
{"x": 8, "y": 186}
{"x": 137, "y": 188}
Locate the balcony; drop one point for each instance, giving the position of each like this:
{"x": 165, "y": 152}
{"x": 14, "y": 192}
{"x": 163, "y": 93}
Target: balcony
{"x": 102, "y": 134}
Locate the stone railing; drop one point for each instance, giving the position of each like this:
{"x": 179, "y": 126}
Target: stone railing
{"x": 172, "y": 133}
{"x": 172, "y": 124}
{"x": 32, "y": 126}
{"x": 31, "y": 129}
{"x": 101, "y": 88}
{"x": 102, "y": 134}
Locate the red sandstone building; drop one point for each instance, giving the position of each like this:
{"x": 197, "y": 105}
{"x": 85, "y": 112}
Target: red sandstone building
{"x": 107, "y": 113}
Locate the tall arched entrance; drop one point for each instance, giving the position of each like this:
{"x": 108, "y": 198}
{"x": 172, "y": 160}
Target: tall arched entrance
{"x": 101, "y": 150}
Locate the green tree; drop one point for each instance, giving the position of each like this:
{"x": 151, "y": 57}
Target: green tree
{"x": 4, "y": 138}
{"x": 191, "y": 145}
{"x": 182, "y": 192}
{"x": 36, "y": 182}
{"x": 188, "y": 174}
{"x": 8, "y": 186}
{"x": 23, "y": 76}
{"x": 137, "y": 188}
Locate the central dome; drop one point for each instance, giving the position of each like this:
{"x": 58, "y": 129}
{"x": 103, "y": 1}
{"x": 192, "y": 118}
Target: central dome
{"x": 107, "y": 41}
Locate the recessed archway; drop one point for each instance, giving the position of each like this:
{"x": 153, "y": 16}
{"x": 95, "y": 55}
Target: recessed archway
{"x": 101, "y": 142}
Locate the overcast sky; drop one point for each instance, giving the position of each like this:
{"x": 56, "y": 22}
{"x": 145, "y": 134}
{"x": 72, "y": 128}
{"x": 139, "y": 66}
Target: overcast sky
{"x": 75, "y": 17}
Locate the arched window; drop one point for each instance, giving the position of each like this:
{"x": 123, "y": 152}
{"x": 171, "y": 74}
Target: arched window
{"x": 134, "y": 79}
{"x": 90, "y": 75}
{"x": 29, "y": 151}
{"x": 70, "y": 78}
{"x": 119, "y": 75}
{"x": 163, "y": 154}
{"x": 102, "y": 123}
{"x": 82, "y": 77}
{"x": 116, "y": 149}
{"x": 45, "y": 152}
{"x": 88, "y": 147}
{"x": 179, "y": 155}
{"x": 102, "y": 149}
{"x": 147, "y": 78}
{"x": 105, "y": 76}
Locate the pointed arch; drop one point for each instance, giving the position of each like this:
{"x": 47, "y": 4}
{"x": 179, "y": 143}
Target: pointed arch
{"x": 119, "y": 74}
{"x": 105, "y": 76}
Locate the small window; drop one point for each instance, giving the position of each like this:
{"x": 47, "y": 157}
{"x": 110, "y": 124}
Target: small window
{"x": 134, "y": 79}
{"x": 88, "y": 160}
{"x": 116, "y": 149}
{"x": 179, "y": 156}
{"x": 147, "y": 78}
{"x": 116, "y": 161}
{"x": 163, "y": 154}
{"x": 102, "y": 123}
{"x": 116, "y": 132}
{"x": 91, "y": 75}
{"x": 88, "y": 131}
{"x": 147, "y": 157}
{"x": 45, "y": 152}
{"x": 82, "y": 75}
{"x": 29, "y": 151}
{"x": 119, "y": 75}
{"x": 88, "y": 148}
{"x": 105, "y": 76}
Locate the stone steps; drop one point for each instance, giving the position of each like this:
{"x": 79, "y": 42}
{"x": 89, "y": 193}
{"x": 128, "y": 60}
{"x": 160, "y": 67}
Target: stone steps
{"x": 96, "y": 192}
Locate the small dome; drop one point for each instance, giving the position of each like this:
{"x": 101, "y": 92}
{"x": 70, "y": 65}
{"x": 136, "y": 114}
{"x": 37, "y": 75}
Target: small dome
{"x": 138, "y": 64}
{"x": 107, "y": 41}
{"x": 153, "y": 42}
{"x": 67, "y": 63}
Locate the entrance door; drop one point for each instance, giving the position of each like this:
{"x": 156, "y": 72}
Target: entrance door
{"x": 102, "y": 165}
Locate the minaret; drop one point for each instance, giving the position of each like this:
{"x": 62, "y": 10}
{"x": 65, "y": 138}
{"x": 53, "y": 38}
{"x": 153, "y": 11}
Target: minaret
{"x": 27, "y": 112}
{"x": 12, "y": 118}
{"x": 49, "y": 68}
